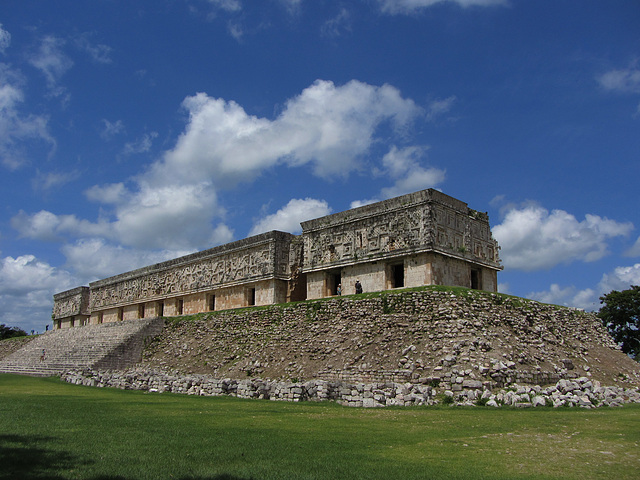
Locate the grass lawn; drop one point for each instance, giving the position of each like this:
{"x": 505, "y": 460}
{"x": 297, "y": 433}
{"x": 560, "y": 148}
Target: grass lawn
{"x": 53, "y": 430}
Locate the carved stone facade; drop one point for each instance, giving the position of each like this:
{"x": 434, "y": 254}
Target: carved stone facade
{"x": 423, "y": 238}
{"x": 72, "y": 306}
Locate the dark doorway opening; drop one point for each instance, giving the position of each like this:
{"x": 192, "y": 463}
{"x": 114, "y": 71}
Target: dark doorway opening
{"x": 212, "y": 303}
{"x": 397, "y": 276}
{"x": 252, "y": 296}
{"x": 180, "y": 306}
{"x": 335, "y": 279}
{"x": 475, "y": 279}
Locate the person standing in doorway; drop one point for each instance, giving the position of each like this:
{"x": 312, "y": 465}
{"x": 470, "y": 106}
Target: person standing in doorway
{"x": 358, "y": 287}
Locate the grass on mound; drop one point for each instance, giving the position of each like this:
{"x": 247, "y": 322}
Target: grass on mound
{"x": 501, "y": 298}
{"x": 53, "y": 430}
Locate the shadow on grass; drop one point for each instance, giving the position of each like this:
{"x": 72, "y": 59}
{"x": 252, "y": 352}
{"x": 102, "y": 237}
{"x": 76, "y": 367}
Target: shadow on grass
{"x": 24, "y": 456}
{"x": 27, "y": 457}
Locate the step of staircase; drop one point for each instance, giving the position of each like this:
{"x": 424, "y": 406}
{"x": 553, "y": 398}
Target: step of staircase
{"x": 108, "y": 346}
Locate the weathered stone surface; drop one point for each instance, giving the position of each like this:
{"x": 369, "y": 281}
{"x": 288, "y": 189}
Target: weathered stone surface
{"x": 405, "y": 394}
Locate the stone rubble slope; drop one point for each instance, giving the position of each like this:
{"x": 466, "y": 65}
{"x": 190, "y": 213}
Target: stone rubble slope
{"x": 438, "y": 337}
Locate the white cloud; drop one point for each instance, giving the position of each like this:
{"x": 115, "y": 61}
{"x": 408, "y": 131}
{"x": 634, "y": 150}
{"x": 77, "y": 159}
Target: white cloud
{"x": 98, "y": 52}
{"x": 567, "y": 296}
{"x": 634, "y": 251}
{"x": 114, "y": 193}
{"x": 27, "y": 286}
{"x": 5, "y": 39}
{"x": 140, "y": 145}
{"x": 438, "y": 108}
{"x": 403, "y": 166}
{"x": 326, "y": 126}
{"x": 170, "y": 216}
{"x": 94, "y": 258}
{"x": 111, "y": 129}
{"x": 531, "y": 238}
{"x": 621, "y": 278}
{"x": 174, "y": 203}
{"x": 408, "y": 6}
{"x": 338, "y": 24}
{"x": 52, "y": 62}
{"x": 289, "y": 217}
{"x": 226, "y": 5}
{"x": 48, "y": 226}
{"x": 625, "y": 80}
{"x": 23, "y": 274}
{"x": 47, "y": 181}
{"x": 18, "y": 130}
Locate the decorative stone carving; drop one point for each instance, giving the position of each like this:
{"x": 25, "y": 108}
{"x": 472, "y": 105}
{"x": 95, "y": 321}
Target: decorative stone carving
{"x": 259, "y": 257}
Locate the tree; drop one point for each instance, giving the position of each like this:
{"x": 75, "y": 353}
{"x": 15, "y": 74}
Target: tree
{"x": 10, "y": 332}
{"x": 620, "y": 313}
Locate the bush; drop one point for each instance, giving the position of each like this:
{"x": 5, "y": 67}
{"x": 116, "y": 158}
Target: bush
{"x": 11, "y": 332}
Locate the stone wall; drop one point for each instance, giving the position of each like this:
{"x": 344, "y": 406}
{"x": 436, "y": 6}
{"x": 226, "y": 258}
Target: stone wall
{"x": 582, "y": 393}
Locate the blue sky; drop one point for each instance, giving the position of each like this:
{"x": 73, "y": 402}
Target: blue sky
{"x": 134, "y": 132}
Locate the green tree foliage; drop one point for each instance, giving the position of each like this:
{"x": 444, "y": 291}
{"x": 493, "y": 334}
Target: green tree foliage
{"x": 10, "y": 332}
{"x": 620, "y": 313}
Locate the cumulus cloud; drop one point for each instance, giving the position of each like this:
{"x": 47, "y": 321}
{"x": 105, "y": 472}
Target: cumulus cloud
{"x": 289, "y": 217}
{"x": 18, "y": 131}
{"x": 409, "y": 6}
{"x": 171, "y": 216}
{"x": 26, "y": 288}
{"x": 174, "y": 203}
{"x": 326, "y": 126}
{"x": 403, "y": 165}
{"x": 114, "y": 193}
{"x": 95, "y": 258}
{"x": 48, "y": 226}
{"x": 620, "y": 278}
{"x": 532, "y": 238}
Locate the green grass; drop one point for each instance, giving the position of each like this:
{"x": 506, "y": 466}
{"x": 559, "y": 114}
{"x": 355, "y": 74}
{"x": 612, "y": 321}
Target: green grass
{"x": 53, "y": 430}
{"x": 316, "y": 303}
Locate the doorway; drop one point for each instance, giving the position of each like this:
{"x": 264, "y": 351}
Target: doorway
{"x": 476, "y": 282}
{"x": 397, "y": 276}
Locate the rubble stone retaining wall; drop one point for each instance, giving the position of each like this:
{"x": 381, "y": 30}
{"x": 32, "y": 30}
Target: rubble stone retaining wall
{"x": 582, "y": 392}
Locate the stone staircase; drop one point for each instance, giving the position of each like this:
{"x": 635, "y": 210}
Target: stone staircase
{"x": 106, "y": 346}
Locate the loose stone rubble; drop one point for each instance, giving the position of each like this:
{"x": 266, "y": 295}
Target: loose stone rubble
{"x": 582, "y": 392}
{"x": 467, "y": 340}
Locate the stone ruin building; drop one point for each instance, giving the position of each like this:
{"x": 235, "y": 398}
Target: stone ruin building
{"x": 423, "y": 238}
